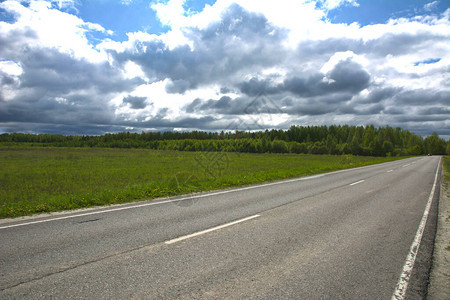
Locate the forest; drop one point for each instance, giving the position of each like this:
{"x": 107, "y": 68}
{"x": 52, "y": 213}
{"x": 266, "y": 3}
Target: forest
{"x": 336, "y": 139}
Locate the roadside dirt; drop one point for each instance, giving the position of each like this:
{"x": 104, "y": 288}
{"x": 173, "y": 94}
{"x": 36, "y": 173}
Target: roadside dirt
{"x": 439, "y": 287}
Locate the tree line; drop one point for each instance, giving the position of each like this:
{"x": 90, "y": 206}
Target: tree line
{"x": 335, "y": 139}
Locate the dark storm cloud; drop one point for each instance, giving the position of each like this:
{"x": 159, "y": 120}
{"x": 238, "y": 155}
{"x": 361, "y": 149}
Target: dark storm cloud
{"x": 6, "y": 79}
{"x": 108, "y": 126}
{"x": 346, "y": 77}
{"x": 422, "y": 97}
{"x": 135, "y": 102}
{"x": 323, "y": 49}
{"x": 436, "y": 111}
{"x": 263, "y": 104}
{"x": 48, "y": 110}
{"x": 255, "y": 86}
{"x": 379, "y": 94}
{"x": 393, "y": 110}
{"x": 159, "y": 122}
{"x": 420, "y": 118}
{"x": 390, "y": 43}
{"x": 337, "y": 103}
{"x": 342, "y": 80}
{"x": 225, "y": 90}
{"x": 372, "y": 109}
{"x": 401, "y": 43}
{"x": 178, "y": 86}
{"x": 56, "y": 88}
{"x": 15, "y": 42}
{"x": 311, "y": 108}
{"x": 59, "y": 73}
{"x": 224, "y": 105}
{"x": 60, "y": 128}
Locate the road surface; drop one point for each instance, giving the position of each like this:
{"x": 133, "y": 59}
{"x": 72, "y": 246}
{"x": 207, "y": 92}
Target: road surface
{"x": 346, "y": 234}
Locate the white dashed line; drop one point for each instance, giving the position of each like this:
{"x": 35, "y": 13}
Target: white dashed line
{"x": 182, "y": 238}
{"x": 355, "y": 183}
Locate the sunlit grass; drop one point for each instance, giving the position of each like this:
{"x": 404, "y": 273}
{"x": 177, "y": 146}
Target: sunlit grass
{"x": 446, "y": 164}
{"x": 34, "y": 180}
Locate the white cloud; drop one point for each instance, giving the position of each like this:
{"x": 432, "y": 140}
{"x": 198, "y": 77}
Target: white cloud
{"x": 333, "y": 4}
{"x": 9, "y": 76}
{"x": 134, "y": 39}
{"x": 68, "y": 5}
{"x": 160, "y": 100}
{"x": 431, "y": 5}
{"x": 170, "y": 13}
{"x": 342, "y": 56}
{"x": 133, "y": 70}
{"x": 297, "y": 16}
{"x": 11, "y": 68}
{"x": 52, "y": 28}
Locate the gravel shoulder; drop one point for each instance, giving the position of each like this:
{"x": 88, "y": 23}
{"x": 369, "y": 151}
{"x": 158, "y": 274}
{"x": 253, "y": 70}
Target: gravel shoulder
{"x": 440, "y": 272}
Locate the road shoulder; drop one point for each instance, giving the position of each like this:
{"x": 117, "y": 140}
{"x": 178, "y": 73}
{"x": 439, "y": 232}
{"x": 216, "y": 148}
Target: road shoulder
{"x": 440, "y": 277}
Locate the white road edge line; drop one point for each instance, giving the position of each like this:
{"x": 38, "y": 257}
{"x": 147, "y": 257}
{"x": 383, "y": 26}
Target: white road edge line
{"x": 182, "y": 238}
{"x": 389, "y": 171}
{"x": 355, "y": 183}
{"x": 402, "y": 285}
{"x": 85, "y": 214}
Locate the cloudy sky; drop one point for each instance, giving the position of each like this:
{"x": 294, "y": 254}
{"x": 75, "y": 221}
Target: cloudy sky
{"x": 91, "y": 67}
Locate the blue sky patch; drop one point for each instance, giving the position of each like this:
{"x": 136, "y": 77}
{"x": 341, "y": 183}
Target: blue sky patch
{"x": 427, "y": 61}
{"x": 370, "y": 12}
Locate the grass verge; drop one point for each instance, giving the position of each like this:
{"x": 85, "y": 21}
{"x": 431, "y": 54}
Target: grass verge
{"x": 36, "y": 180}
{"x": 446, "y": 163}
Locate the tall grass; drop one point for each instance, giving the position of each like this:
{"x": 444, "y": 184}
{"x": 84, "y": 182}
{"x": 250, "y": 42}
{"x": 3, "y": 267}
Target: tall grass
{"x": 34, "y": 180}
{"x": 446, "y": 164}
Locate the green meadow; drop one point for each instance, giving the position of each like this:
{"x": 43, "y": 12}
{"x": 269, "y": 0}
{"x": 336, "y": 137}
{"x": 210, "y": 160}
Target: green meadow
{"x": 36, "y": 180}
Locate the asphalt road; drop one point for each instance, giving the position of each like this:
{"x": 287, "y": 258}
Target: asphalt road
{"x": 344, "y": 234}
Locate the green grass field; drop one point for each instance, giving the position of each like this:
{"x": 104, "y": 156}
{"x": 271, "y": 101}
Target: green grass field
{"x": 35, "y": 180}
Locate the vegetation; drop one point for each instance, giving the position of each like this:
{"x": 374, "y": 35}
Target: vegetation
{"x": 44, "y": 173}
{"x": 34, "y": 180}
{"x": 356, "y": 140}
{"x": 446, "y": 164}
